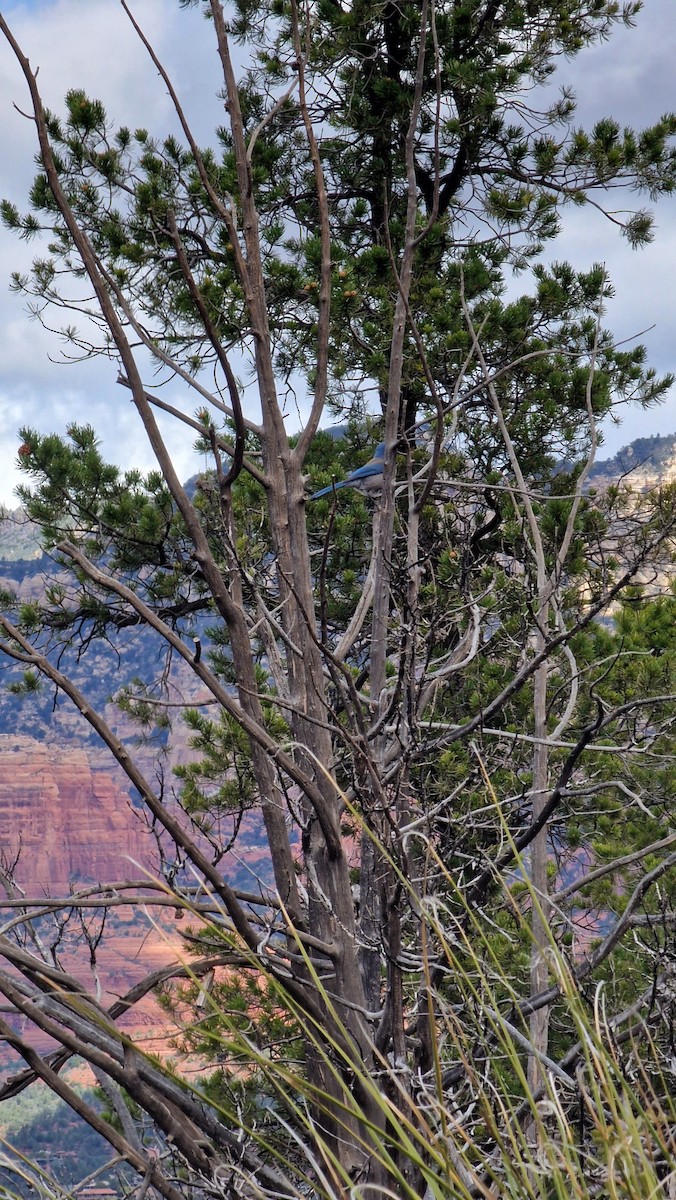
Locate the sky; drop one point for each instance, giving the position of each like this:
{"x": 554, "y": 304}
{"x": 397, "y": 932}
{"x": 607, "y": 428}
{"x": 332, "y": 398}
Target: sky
{"x": 90, "y": 44}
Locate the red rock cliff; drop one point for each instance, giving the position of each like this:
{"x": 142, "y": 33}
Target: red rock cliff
{"x": 66, "y": 817}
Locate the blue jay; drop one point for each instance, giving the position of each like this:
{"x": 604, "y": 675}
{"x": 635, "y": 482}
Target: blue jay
{"x": 367, "y": 479}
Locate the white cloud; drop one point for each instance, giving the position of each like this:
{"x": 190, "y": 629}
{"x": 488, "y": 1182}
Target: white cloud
{"x": 91, "y": 45}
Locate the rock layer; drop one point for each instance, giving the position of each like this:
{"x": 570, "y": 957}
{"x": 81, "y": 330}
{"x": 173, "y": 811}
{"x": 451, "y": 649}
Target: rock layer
{"x": 64, "y": 819}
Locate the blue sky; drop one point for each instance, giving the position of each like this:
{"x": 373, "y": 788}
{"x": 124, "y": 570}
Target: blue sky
{"x": 90, "y": 44}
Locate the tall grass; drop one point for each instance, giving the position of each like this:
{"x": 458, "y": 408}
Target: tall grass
{"x": 600, "y": 1123}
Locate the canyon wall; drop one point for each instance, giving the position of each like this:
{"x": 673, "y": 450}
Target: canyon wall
{"x": 65, "y": 818}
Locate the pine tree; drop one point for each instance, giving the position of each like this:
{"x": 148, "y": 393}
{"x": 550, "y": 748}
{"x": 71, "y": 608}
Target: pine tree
{"x": 410, "y": 690}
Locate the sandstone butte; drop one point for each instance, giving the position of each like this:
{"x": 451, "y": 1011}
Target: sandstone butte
{"x": 67, "y": 821}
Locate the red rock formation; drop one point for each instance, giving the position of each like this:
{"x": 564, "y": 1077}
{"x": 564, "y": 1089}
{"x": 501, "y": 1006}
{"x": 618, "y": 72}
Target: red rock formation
{"x": 70, "y": 822}
{"x": 66, "y": 818}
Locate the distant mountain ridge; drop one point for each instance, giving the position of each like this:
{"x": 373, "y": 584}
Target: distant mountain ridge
{"x": 19, "y": 539}
{"x": 643, "y": 463}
